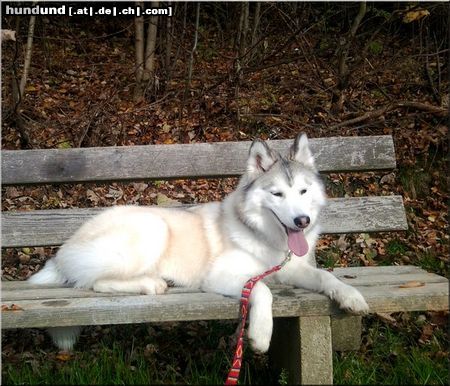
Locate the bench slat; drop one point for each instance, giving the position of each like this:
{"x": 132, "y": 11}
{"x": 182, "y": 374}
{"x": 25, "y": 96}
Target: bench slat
{"x": 342, "y": 215}
{"x": 22, "y": 290}
{"x": 145, "y": 162}
{"x": 181, "y": 306}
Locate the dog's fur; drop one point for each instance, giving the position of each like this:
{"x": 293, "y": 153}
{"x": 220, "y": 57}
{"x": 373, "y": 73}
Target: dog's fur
{"x": 216, "y": 247}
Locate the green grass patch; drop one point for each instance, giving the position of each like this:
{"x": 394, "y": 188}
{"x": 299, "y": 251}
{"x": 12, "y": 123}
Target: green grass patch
{"x": 193, "y": 353}
{"x": 396, "y": 247}
{"x": 328, "y": 258}
{"x": 416, "y": 181}
{"x": 429, "y": 262}
{"x": 393, "y": 356}
{"x": 196, "y": 353}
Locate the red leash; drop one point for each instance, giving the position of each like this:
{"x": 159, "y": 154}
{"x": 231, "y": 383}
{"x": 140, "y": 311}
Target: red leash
{"x": 233, "y": 374}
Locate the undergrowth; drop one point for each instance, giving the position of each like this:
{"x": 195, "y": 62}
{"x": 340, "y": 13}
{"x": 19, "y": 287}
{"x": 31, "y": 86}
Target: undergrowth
{"x": 198, "y": 353}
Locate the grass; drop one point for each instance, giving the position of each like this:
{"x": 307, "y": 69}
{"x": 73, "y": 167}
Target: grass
{"x": 328, "y": 258}
{"x": 394, "y": 357}
{"x": 174, "y": 353}
{"x": 195, "y": 353}
{"x": 428, "y": 261}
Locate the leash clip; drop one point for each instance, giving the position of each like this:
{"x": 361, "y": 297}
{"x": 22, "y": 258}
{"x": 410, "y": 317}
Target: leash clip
{"x": 287, "y": 258}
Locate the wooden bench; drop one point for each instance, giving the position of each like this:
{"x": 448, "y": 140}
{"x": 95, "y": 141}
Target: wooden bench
{"x": 307, "y": 325}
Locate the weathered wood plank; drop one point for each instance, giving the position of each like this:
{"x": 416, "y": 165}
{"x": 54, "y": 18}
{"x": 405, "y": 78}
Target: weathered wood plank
{"x": 36, "y": 293}
{"x": 182, "y": 161}
{"x": 21, "y": 290}
{"x": 380, "y": 298}
{"x": 361, "y": 272}
{"x": 204, "y": 306}
{"x": 341, "y": 215}
{"x": 393, "y": 279}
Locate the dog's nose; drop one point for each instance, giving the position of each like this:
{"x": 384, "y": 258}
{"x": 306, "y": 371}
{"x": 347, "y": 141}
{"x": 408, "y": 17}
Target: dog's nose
{"x": 302, "y": 221}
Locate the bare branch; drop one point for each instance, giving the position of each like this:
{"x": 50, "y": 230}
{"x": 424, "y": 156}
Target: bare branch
{"x": 28, "y": 51}
{"x": 379, "y": 112}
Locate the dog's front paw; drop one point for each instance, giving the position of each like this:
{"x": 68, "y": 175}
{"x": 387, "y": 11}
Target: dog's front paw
{"x": 259, "y": 335}
{"x": 351, "y": 300}
{"x": 259, "y": 342}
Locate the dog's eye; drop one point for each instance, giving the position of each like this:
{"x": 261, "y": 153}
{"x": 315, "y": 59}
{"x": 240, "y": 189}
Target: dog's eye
{"x": 278, "y": 194}
{"x": 303, "y": 191}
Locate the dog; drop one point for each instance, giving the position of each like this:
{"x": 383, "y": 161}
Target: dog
{"x": 215, "y": 247}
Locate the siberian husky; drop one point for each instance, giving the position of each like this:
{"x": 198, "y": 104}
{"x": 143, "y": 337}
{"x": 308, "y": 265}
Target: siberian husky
{"x": 215, "y": 247}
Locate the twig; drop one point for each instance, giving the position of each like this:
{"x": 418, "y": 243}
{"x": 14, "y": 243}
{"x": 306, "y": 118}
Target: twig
{"x": 428, "y": 72}
{"x": 439, "y": 111}
{"x": 368, "y": 115}
{"x": 248, "y": 70}
{"x": 438, "y": 67}
{"x": 378, "y": 113}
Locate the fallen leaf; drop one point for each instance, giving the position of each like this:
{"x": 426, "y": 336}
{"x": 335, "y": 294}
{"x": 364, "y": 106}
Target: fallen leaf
{"x": 12, "y": 307}
{"x": 439, "y": 318}
{"x": 64, "y": 356}
{"x": 415, "y": 15}
{"x": 163, "y": 200}
{"x": 341, "y": 243}
{"x": 388, "y": 179}
{"x": 91, "y": 196}
{"x": 140, "y": 186}
{"x": 412, "y": 284}
{"x": 427, "y": 332}
{"x": 116, "y": 194}
{"x": 386, "y": 318}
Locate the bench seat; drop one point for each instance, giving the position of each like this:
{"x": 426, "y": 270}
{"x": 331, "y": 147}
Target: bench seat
{"x": 386, "y": 289}
{"x": 307, "y": 326}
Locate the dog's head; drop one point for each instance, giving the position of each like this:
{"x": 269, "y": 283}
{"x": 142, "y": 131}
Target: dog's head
{"x": 285, "y": 191}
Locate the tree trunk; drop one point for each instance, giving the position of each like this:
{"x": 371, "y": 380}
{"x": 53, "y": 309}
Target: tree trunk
{"x": 139, "y": 53}
{"x": 240, "y": 60}
{"x": 28, "y": 51}
{"x": 343, "y": 71}
{"x": 169, "y": 34}
{"x": 187, "y": 88}
{"x": 256, "y": 23}
{"x": 149, "y": 71}
{"x": 18, "y": 89}
{"x": 244, "y": 31}
{"x": 194, "y": 47}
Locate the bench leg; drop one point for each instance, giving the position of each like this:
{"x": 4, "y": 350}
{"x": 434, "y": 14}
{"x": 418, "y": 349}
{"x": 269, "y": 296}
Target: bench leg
{"x": 302, "y": 347}
{"x": 346, "y": 332}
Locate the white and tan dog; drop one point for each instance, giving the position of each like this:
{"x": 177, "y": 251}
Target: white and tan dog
{"x": 216, "y": 247}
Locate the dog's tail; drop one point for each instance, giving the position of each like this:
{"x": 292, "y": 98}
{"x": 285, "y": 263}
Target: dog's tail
{"x": 63, "y": 337}
{"x": 50, "y": 274}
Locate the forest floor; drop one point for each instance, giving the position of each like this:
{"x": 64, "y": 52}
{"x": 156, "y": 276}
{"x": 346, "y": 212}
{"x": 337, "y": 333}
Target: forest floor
{"x": 79, "y": 93}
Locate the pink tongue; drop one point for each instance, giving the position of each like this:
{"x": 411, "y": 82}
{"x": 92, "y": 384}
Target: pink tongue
{"x": 297, "y": 242}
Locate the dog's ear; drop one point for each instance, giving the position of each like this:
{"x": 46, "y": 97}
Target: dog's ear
{"x": 261, "y": 157}
{"x": 301, "y": 152}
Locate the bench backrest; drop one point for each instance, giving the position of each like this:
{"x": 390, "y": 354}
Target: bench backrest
{"x": 220, "y": 159}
